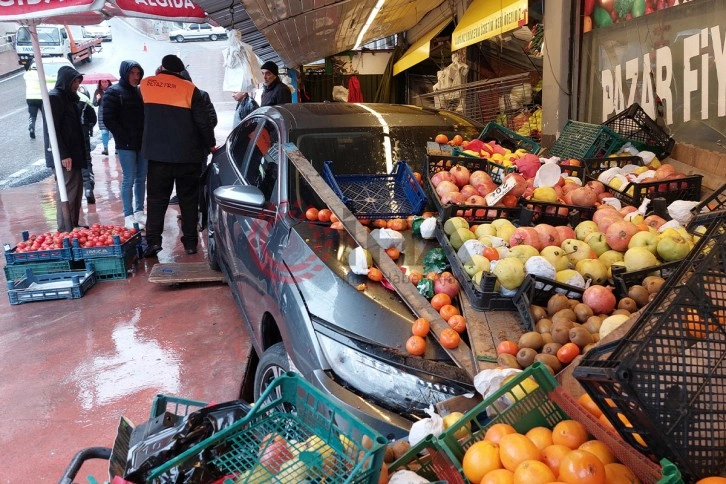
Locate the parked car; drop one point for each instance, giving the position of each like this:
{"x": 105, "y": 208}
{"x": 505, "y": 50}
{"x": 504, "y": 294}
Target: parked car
{"x": 100, "y": 31}
{"x": 290, "y": 277}
{"x": 51, "y": 66}
{"x": 198, "y": 31}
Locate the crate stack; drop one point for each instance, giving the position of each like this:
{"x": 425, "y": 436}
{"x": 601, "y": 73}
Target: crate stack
{"x": 111, "y": 262}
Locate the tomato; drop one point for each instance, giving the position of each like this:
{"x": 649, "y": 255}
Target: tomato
{"x": 507, "y": 347}
{"x": 416, "y": 345}
{"x": 324, "y": 215}
{"x": 567, "y": 353}
{"x": 449, "y": 338}
{"x": 491, "y": 253}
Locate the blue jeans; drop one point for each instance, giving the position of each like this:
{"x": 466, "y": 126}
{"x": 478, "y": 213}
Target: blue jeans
{"x": 134, "y": 167}
{"x": 105, "y": 136}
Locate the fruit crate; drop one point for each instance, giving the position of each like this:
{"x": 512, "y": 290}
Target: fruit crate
{"x": 326, "y": 439}
{"x": 482, "y": 296}
{"x": 538, "y": 290}
{"x": 686, "y": 188}
{"x": 47, "y": 287}
{"x": 556, "y": 213}
{"x": 396, "y": 195}
{"x": 116, "y": 268}
{"x": 13, "y": 257}
{"x": 667, "y": 375}
{"x": 177, "y": 405}
{"x": 531, "y": 399}
{"x": 580, "y": 140}
{"x": 429, "y": 460}
{"x": 712, "y": 203}
{"x": 633, "y": 124}
{"x": 508, "y": 138}
{"x": 17, "y": 271}
{"x": 496, "y": 171}
{"x": 623, "y": 280}
{"x": 118, "y": 249}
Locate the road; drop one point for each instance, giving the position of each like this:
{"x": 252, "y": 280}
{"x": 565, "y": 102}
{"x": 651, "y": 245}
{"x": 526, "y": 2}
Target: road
{"x": 21, "y": 158}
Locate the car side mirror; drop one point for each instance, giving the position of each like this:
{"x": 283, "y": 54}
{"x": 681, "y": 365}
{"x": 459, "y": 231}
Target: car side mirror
{"x": 246, "y": 200}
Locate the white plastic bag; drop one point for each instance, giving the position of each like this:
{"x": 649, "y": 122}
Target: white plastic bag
{"x": 388, "y": 238}
{"x": 433, "y": 425}
{"x": 428, "y": 228}
{"x": 680, "y": 210}
{"x": 359, "y": 261}
{"x": 242, "y": 71}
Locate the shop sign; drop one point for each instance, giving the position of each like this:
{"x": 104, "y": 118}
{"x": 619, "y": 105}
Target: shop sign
{"x": 485, "y": 19}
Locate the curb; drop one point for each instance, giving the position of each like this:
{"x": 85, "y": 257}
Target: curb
{"x": 12, "y": 73}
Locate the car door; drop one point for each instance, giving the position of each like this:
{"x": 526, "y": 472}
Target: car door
{"x": 194, "y": 31}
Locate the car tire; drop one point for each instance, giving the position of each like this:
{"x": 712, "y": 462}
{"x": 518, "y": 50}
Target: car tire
{"x": 179, "y": 38}
{"x": 213, "y": 37}
{"x": 212, "y": 255}
{"x": 273, "y": 363}
{"x": 89, "y": 59}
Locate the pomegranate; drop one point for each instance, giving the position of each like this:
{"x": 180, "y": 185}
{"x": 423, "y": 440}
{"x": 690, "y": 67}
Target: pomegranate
{"x": 599, "y": 187}
{"x": 468, "y": 190}
{"x": 453, "y": 197}
{"x": 446, "y": 284}
{"x": 445, "y": 187}
{"x": 663, "y": 171}
{"x": 460, "y": 174}
{"x": 565, "y": 232}
{"x": 600, "y": 299}
{"x": 476, "y": 200}
{"x": 525, "y": 236}
{"x": 440, "y": 176}
{"x": 583, "y": 196}
{"x": 521, "y": 184}
{"x": 604, "y": 222}
{"x": 619, "y": 233}
{"x": 275, "y": 453}
{"x": 486, "y": 188}
{"x": 548, "y": 235}
{"x": 626, "y": 210}
{"x": 478, "y": 177}
{"x": 654, "y": 221}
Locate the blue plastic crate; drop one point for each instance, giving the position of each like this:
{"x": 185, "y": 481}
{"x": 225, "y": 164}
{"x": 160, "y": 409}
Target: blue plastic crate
{"x": 396, "y": 195}
{"x": 116, "y": 250}
{"x": 12, "y": 257}
{"x": 46, "y": 287}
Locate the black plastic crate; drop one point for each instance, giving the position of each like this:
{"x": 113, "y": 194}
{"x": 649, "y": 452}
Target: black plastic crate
{"x": 497, "y": 172}
{"x": 557, "y": 213}
{"x": 13, "y": 257}
{"x": 583, "y": 140}
{"x": 686, "y": 188}
{"x": 624, "y": 280}
{"x": 633, "y": 124}
{"x": 482, "y": 297}
{"x": 712, "y": 203}
{"x": 396, "y": 195}
{"x": 667, "y": 375}
{"x": 538, "y": 290}
{"x": 118, "y": 249}
{"x": 46, "y": 287}
{"x": 508, "y": 138}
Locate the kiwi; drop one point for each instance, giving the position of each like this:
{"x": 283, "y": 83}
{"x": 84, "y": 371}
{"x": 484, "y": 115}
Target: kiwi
{"x": 550, "y": 361}
{"x": 582, "y": 312}
{"x": 508, "y": 361}
{"x": 557, "y": 302}
{"x": 573, "y": 303}
{"x": 628, "y": 304}
{"x": 531, "y": 339}
{"x": 538, "y": 312}
{"x": 588, "y": 348}
{"x": 543, "y": 325}
{"x": 595, "y": 337}
{"x": 547, "y": 338}
{"x": 639, "y": 294}
{"x": 653, "y": 284}
{"x": 551, "y": 348}
{"x": 593, "y": 324}
{"x": 580, "y": 336}
{"x": 525, "y": 357}
{"x": 564, "y": 315}
{"x": 400, "y": 447}
{"x": 561, "y": 331}
{"x": 620, "y": 311}
{"x": 549, "y": 368}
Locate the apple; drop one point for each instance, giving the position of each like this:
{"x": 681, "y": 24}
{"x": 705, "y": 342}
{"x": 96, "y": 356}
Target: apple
{"x": 649, "y": 240}
{"x": 597, "y": 242}
{"x": 673, "y": 248}
{"x": 639, "y": 258}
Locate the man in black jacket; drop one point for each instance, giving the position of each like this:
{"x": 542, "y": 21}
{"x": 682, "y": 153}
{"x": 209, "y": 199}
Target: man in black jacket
{"x": 71, "y": 143}
{"x": 178, "y": 136}
{"x": 275, "y": 91}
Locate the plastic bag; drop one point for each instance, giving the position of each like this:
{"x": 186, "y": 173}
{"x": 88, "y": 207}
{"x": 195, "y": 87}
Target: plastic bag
{"x": 435, "y": 261}
{"x": 416, "y": 224}
{"x": 388, "y": 238}
{"x": 428, "y": 228}
{"x": 433, "y": 425}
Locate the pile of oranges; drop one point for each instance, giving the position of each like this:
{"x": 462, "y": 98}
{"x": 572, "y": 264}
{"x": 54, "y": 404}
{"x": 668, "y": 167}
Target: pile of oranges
{"x": 562, "y": 455}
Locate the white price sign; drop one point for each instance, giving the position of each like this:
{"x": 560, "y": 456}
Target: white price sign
{"x": 493, "y": 197}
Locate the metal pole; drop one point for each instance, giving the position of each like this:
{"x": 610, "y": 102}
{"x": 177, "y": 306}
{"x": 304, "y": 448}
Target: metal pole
{"x": 50, "y": 126}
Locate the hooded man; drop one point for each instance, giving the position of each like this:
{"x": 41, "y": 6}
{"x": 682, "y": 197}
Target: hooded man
{"x": 275, "y": 91}
{"x": 178, "y": 136}
{"x": 71, "y": 142}
{"x": 123, "y": 115}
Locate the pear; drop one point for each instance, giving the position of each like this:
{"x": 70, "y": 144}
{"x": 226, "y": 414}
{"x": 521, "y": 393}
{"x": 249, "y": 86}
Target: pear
{"x": 584, "y": 228}
{"x": 597, "y": 242}
{"x": 673, "y": 248}
{"x": 522, "y": 252}
{"x": 455, "y": 223}
{"x": 459, "y": 236}
{"x": 638, "y": 258}
{"x": 556, "y": 256}
{"x": 485, "y": 229}
{"x": 509, "y": 272}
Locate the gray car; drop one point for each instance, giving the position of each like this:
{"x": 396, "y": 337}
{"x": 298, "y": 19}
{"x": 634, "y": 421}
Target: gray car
{"x": 299, "y": 300}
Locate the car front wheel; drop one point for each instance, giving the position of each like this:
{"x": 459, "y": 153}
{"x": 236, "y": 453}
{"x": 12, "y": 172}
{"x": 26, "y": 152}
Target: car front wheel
{"x": 179, "y": 38}
{"x": 213, "y": 37}
{"x": 212, "y": 255}
{"x": 273, "y": 363}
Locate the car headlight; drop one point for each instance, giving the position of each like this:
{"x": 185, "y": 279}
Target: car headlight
{"x": 387, "y": 384}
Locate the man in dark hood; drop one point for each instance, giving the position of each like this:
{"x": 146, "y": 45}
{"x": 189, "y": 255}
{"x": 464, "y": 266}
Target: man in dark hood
{"x": 71, "y": 143}
{"x": 123, "y": 115}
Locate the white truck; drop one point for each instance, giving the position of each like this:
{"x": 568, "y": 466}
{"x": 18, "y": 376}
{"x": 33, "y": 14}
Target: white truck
{"x": 55, "y": 41}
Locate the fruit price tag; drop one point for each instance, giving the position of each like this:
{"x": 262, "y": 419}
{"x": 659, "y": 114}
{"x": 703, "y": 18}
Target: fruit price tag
{"x": 493, "y": 197}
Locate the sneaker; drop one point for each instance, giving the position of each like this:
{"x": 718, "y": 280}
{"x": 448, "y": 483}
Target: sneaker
{"x": 152, "y": 250}
{"x": 140, "y": 217}
{"x": 32, "y": 133}
{"x": 105, "y": 152}
{"x": 129, "y": 222}
{"x": 174, "y": 200}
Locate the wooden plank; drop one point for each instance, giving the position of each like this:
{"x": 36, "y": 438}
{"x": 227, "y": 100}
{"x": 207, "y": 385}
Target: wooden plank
{"x": 480, "y": 336}
{"x": 184, "y": 272}
{"x": 415, "y": 301}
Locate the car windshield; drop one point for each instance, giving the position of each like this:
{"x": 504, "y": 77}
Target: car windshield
{"x": 51, "y": 68}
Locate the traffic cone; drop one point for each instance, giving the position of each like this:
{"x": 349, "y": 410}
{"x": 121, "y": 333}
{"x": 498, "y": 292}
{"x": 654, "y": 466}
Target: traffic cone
{"x": 145, "y": 49}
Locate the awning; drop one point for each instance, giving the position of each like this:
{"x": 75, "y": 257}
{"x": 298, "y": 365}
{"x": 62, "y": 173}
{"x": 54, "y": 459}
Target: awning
{"x": 485, "y": 19}
{"x": 419, "y": 50}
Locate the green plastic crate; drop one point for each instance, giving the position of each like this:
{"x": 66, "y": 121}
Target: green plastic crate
{"x": 583, "y": 140}
{"x": 326, "y": 439}
{"x": 17, "y": 271}
{"x": 112, "y": 268}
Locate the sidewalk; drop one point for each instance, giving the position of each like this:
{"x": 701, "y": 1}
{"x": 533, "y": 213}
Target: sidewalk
{"x": 71, "y": 368}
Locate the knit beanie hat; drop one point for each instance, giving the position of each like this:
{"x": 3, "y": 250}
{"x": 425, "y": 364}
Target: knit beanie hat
{"x": 270, "y": 66}
{"x": 172, "y": 63}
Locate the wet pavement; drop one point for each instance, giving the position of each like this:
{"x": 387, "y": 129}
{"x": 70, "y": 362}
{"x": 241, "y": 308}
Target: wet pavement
{"x": 71, "y": 368}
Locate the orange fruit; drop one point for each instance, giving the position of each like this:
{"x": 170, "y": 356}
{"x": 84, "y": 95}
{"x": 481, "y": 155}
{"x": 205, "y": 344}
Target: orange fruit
{"x": 393, "y": 253}
{"x": 533, "y": 472}
{"x": 324, "y": 215}
{"x": 421, "y": 327}
{"x": 497, "y": 431}
{"x": 712, "y": 480}
{"x": 334, "y": 218}
{"x": 582, "y": 467}
{"x": 552, "y": 455}
{"x": 416, "y": 345}
{"x": 479, "y": 459}
{"x": 441, "y": 139}
{"x": 498, "y": 476}
{"x": 589, "y": 404}
{"x": 311, "y": 214}
{"x": 457, "y": 322}
{"x": 541, "y": 437}
{"x": 415, "y": 277}
{"x": 398, "y": 224}
{"x": 380, "y": 223}
{"x": 375, "y": 274}
{"x": 515, "y": 449}
{"x": 447, "y": 311}
{"x": 569, "y": 433}
{"x": 619, "y": 474}
{"x": 601, "y": 451}
{"x": 440, "y": 300}
{"x": 449, "y": 338}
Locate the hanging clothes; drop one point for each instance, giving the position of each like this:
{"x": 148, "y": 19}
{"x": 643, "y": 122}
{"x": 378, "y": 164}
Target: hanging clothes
{"x": 355, "y": 95}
